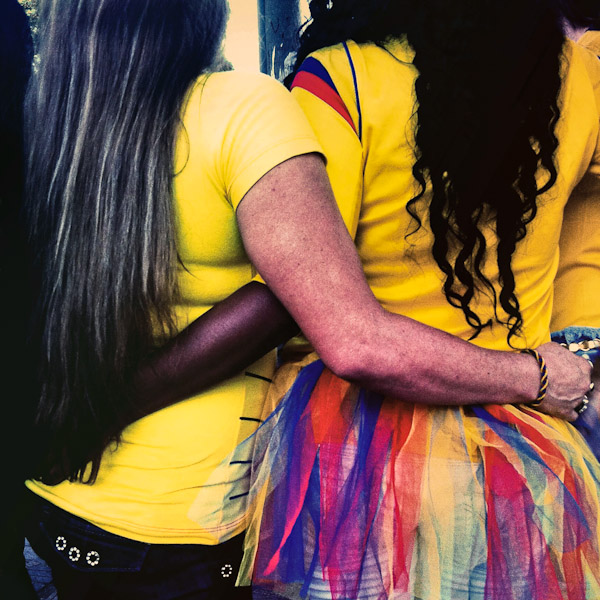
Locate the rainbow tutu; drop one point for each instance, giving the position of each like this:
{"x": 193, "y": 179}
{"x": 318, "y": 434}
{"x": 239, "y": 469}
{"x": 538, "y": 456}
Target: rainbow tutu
{"x": 355, "y": 496}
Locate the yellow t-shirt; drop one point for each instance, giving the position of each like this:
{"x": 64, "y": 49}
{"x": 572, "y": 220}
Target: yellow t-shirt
{"x": 173, "y": 478}
{"x": 360, "y": 100}
{"x": 577, "y": 288}
{"x": 591, "y": 40}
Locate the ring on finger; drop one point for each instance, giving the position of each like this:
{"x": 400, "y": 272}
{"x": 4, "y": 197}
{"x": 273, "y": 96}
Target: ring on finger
{"x": 592, "y": 386}
{"x": 583, "y": 406}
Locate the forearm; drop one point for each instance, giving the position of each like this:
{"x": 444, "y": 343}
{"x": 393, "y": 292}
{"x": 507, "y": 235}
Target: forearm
{"x": 293, "y": 233}
{"x": 217, "y": 345}
{"x": 433, "y": 367}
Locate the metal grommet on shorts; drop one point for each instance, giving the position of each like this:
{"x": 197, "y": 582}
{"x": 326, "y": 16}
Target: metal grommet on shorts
{"x": 74, "y": 554}
{"x": 60, "y": 543}
{"x": 92, "y": 558}
{"x": 226, "y": 571}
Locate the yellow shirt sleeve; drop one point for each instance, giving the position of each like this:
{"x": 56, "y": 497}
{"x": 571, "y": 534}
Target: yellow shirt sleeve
{"x": 325, "y": 99}
{"x": 266, "y": 128}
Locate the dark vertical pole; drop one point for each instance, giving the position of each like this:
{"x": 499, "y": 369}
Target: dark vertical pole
{"x": 278, "y": 24}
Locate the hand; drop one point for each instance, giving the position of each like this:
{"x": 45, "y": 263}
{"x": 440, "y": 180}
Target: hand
{"x": 588, "y": 423}
{"x": 569, "y": 378}
{"x": 596, "y": 375}
{"x": 591, "y": 416}
{"x": 594, "y": 401}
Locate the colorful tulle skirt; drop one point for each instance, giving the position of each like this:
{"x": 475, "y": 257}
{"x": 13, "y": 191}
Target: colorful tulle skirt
{"x": 355, "y": 496}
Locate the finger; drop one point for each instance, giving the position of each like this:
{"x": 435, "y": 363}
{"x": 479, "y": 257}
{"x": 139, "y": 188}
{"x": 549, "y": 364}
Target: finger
{"x": 569, "y": 413}
{"x": 589, "y": 365}
{"x": 586, "y": 384}
{"x": 582, "y": 406}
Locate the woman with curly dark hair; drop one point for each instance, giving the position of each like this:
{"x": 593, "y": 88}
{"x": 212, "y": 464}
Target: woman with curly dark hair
{"x": 454, "y": 134}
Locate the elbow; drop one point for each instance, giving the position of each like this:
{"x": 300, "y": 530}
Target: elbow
{"x": 402, "y": 375}
{"x": 366, "y": 350}
{"x": 349, "y": 363}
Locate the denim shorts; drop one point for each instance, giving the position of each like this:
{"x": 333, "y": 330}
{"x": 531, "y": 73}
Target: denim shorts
{"x": 89, "y": 563}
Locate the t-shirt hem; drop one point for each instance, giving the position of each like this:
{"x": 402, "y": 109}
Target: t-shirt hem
{"x": 138, "y": 533}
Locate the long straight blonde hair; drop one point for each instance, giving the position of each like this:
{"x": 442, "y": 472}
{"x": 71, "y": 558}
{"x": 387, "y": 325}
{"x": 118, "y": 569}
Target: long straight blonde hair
{"x": 103, "y": 112}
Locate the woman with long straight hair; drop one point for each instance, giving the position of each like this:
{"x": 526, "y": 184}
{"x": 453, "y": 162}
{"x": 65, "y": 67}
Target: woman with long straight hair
{"x": 454, "y": 134}
{"x": 105, "y": 109}
{"x": 152, "y": 183}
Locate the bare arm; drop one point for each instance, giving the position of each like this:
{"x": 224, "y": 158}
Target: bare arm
{"x": 294, "y": 235}
{"x": 347, "y": 329}
{"x": 229, "y": 337}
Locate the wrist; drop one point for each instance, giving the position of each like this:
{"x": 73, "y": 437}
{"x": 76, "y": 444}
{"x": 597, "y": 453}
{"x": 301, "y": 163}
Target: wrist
{"x": 542, "y": 380}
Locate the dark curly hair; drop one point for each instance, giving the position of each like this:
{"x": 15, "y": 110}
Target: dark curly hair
{"x": 487, "y": 106}
{"x": 584, "y": 14}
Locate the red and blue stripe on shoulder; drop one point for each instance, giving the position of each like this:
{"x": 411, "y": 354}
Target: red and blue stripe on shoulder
{"x": 313, "y": 77}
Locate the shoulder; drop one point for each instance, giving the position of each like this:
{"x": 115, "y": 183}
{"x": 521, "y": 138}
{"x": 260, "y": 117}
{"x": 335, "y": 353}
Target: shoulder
{"x": 245, "y": 124}
{"x": 365, "y": 69}
{"x": 235, "y": 88}
{"x": 591, "y": 41}
{"x": 339, "y": 62}
{"x": 364, "y": 82}
{"x": 332, "y": 55}
{"x": 234, "y": 101}
{"x": 368, "y": 56}
{"x": 579, "y": 52}
{"x": 583, "y": 68}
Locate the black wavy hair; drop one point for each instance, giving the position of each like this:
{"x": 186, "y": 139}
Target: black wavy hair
{"x": 582, "y": 14}
{"x": 102, "y": 121}
{"x": 487, "y": 106}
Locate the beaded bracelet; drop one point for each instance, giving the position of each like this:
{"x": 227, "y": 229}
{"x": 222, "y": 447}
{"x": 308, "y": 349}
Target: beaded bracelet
{"x": 543, "y": 376}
